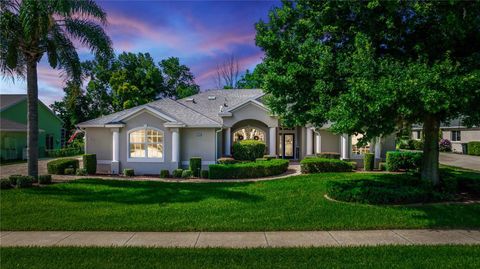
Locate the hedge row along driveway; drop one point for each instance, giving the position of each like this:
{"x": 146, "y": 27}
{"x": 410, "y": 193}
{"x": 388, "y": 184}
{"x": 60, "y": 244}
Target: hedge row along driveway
{"x": 293, "y": 203}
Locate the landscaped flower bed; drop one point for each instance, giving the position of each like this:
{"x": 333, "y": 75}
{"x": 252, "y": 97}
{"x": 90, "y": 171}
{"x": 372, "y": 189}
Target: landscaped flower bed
{"x": 248, "y": 169}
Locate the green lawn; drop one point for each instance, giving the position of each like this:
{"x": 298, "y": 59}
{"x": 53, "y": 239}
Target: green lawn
{"x": 354, "y": 257}
{"x": 295, "y": 203}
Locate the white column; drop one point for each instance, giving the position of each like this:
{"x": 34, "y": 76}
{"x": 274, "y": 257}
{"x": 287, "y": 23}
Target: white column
{"x": 272, "y": 147}
{"x": 175, "y": 145}
{"x": 344, "y": 146}
{"x": 309, "y": 141}
{"x": 228, "y": 134}
{"x": 378, "y": 148}
{"x": 115, "y": 151}
{"x": 318, "y": 143}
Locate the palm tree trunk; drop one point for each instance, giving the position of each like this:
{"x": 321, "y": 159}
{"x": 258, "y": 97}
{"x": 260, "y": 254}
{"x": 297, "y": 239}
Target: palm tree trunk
{"x": 32, "y": 114}
{"x": 431, "y": 127}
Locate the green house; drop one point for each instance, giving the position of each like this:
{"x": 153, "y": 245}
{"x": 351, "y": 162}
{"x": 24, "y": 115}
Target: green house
{"x": 13, "y": 128}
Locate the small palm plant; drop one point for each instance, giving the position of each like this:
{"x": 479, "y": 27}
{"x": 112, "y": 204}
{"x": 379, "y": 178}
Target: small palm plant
{"x": 29, "y": 29}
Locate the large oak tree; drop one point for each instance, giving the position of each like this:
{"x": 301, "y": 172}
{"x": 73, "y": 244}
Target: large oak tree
{"x": 370, "y": 66}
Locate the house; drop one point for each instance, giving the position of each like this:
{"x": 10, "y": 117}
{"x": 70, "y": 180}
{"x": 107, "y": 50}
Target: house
{"x": 13, "y": 128}
{"x": 455, "y": 131}
{"x": 165, "y": 134}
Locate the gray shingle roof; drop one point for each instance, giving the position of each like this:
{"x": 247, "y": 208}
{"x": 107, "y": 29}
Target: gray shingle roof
{"x": 7, "y": 100}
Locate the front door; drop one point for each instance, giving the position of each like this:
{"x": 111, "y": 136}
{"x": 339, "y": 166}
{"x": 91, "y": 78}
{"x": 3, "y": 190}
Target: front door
{"x": 288, "y": 146}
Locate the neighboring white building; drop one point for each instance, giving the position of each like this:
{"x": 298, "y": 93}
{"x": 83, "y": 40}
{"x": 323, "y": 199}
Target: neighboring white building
{"x": 165, "y": 134}
{"x": 454, "y": 131}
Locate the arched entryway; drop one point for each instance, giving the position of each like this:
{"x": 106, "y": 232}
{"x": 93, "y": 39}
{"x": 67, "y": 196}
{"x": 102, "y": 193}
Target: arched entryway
{"x": 251, "y": 129}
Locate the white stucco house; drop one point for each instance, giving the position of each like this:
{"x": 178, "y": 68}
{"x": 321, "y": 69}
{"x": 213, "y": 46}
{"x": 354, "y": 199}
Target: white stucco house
{"x": 166, "y": 133}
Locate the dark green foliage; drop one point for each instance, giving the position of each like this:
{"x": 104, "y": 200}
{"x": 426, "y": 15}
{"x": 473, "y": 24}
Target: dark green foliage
{"x": 177, "y": 173}
{"x": 178, "y": 79}
{"x": 65, "y": 152}
{"x": 248, "y": 150}
{"x": 354, "y": 165}
{"x": 13, "y": 179}
{"x": 90, "y": 163}
{"x": 164, "y": 174}
{"x": 69, "y": 171}
{"x": 187, "y": 173}
{"x": 226, "y": 160}
{"x": 269, "y": 157}
{"x": 196, "y": 166}
{"x": 25, "y": 181}
{"x": 404, "y": 160}
{"x": 5, "y": 183}
{"x": 319, "y": 165}
{"x": 474, "y": 148}
{"x": 328, "y": 155}
{"x": 45, "y": 179}
{"x": 261, "y": 159}
{"x": 368, "y": 161}
{"x": 382, "y": 166}
{"x": 204, "y": 174}
{"x": 57, "y": 167}
{"x": 81, "y": 172}
{"x": 248, "y": 169}
{"x": 128, "y": 172}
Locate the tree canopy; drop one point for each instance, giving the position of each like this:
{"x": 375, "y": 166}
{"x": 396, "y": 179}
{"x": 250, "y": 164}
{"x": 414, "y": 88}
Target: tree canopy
{"x": 179, "y": 80}
{"x": 368, "y": 66}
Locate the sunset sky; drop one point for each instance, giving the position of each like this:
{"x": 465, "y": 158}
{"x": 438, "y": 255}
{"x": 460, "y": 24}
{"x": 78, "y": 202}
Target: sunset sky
{"x": 200, "y": 33}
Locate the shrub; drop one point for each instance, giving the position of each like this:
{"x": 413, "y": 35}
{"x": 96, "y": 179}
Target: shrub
{"x": 13, "y": 179}
{"x": 177, "y": 173}
{"x": 196, "y": 166}
{"x": 164, "y": 174}
{"x": 226, "y": 160}
{"x": 354, "y": 165}
{"x": 328, "y": 155}
{"x": 45, "y": 179}
{"x": 368, "y": 161}
{"x": 187, "y": 173}
{"x": 261, "y": 159}
{"x": 90, "y": 163}
{"x": 25, "y": 181}
{"x": 474, "y": 148}
{"x": 65, "y": 152}
{"x": 445, "y": 145}
{"x": 416, "y": 144}
{"x": 318, "y": 165}
{"x": 404, "y": 160}
{"x": 5, "y": 183}
{"x": 269, "y": 157}
{"x": 248, "y": 169}
{"x": 69, "y": 171}
{"x": 248, "y": 150}
{"x": 81, "y": 172}
{"x": 204, "y": 174}
{"x": 128, "y": 172}
{"x": 382, "y": 166}
{"x": 57, "y": 167}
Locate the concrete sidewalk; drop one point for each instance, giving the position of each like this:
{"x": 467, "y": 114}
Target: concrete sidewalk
{"x": 241, "y": 239}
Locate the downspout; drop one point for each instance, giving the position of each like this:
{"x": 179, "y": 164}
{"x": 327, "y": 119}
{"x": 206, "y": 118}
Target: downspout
{"x": 216, "y": 143}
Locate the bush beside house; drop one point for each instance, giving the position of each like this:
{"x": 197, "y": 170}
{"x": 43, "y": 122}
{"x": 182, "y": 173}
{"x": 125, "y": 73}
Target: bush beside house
{"x": 318, "y": 165}
{"x": 368, "y": 161}
{"x": 248, "y": 169}
{"x": 445, "y": 145}
{"x": 196, "y": 166}
{"x": 328, "y": 155}
{"x": 57, "y": 167}
{"x": 248, "y": 150}
{"x": 90, "y": 163}
{"x": 474, "y": 148}
{"x": 404, "y": 160}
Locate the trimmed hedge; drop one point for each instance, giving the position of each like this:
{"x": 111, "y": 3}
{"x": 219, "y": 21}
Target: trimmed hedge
{"x": 187, "y": 173}
{"x": 368, "y": 161}
{"x": 382, "y": 166}
{"x": 248, "y": 169}
{"x": 269, "y": 157}
{"x": 204, "y": 173}
{"x": 196, "y": 166}
{"x": 354, "y": 165}
{"x": 45, "y": 179}
{"x": 329, "y": 155}
{"x": 65, "y": 152}
{"x": 404, "y": 160}
{"x": 318, "y": 165}
{"x": 25, "y": 181}
{"x": 90, "y": 163}
{"x": 248, "y": 150}
{"x": 164, "y": 174}
{"x": 69, "y": 171}
{"x": 57, "y": 167}
{"x": 13, "y": 179}
{"x": 128, "y": 172}
{"x": 5, "y": 183}
{"x": 177, "y": 173}
{"x": 473, "y": 148}
{"x": 226, "y": 160}
{"x": 81, "y": 172}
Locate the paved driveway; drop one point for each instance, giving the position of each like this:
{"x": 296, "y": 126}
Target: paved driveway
{"x": 21, "y": 168}
{"x": 459, "y": 160}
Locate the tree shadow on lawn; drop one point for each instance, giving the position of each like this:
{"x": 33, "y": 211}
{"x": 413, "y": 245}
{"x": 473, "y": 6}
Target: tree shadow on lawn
{"x": 144, "y": 192}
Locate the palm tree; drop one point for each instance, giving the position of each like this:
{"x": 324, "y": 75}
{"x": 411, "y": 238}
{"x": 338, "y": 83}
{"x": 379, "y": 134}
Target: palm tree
{"x": 31, "y": 28}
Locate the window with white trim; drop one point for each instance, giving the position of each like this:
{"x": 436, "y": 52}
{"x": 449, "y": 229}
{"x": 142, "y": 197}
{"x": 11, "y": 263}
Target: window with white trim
{"x": 456, "y": 136}
{"x": 145, "y": 143}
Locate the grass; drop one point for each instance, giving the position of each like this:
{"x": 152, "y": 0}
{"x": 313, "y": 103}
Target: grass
{"x": 294, "y": 203}
{"x": 349, "y": 257}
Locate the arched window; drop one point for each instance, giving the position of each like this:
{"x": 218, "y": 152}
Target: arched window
{"x": 145, "y": 144}
{"x": 249, "y": 133}
{"x": 357, "y": 148}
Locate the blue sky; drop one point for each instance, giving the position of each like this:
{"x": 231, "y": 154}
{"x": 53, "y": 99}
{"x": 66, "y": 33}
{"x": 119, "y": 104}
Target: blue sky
{"x": 200, "y": 33}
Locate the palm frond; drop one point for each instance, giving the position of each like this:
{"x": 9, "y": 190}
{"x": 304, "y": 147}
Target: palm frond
{"x": 84, "y": 8}
{"x": 11, "y": 60}
{"x": 67, "y": 55}
{"x": 91, "y": 35}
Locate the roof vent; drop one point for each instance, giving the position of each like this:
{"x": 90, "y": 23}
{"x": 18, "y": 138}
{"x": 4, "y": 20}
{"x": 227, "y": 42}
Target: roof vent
{"x": 190, "y": 100}
{"x": 211, "y": 97}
